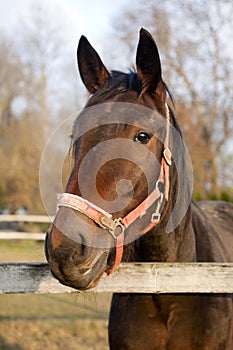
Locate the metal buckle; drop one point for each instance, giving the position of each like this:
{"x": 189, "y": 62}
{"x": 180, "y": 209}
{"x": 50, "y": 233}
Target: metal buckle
{"x": 106, "y": 222}
{"x": 155, "y": 217}
{"x": 167, "y": 156}
{"x": 112, "y": 225}
{"x": 117, "y": 223}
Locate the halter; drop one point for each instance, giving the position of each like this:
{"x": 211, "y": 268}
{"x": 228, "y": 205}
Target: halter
{"x": 116, "y": 227}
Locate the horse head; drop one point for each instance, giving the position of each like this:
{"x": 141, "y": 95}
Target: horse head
{"x": 120, "y": 182}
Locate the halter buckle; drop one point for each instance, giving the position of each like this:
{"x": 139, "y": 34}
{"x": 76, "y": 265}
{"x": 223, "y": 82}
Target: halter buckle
{"x": 112, "y": 225}
{"x": 155, "y": 217}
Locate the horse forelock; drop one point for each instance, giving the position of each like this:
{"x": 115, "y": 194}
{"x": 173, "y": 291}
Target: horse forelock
{"x": 120, "y": 83}
{"x": 117, "y": 84}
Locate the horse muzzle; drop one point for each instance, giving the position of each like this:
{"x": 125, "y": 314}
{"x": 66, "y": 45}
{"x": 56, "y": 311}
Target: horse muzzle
{"x": 76, "y": 253}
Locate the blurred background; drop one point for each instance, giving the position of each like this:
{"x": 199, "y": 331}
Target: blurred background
{"x": 40, "y": 88}
{"x": 40, "y": 85}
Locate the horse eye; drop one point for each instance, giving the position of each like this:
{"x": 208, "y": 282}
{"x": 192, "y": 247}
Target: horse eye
{"x": 142, "y": 137}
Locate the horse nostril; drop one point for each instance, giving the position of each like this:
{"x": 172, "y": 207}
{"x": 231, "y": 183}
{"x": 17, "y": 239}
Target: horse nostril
{"x": 83, "y": 249}
{"x": 80, "y": 253}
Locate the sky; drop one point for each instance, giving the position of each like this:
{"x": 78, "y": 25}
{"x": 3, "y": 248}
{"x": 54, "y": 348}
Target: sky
{"x": 91, "y": 18}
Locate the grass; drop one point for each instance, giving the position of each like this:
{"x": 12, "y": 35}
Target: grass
{"x": 50, "y": 321}
{"x": 21, "y": 251}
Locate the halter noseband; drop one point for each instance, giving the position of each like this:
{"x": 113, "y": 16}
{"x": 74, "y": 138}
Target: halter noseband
{"x": 116, "y": 227}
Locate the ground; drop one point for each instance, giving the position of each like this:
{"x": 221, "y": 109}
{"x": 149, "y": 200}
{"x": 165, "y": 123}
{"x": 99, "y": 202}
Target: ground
{"x": 50, "y": 321}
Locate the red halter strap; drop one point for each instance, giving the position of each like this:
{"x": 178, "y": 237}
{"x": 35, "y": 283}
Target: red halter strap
{"x": 116, "y": 227}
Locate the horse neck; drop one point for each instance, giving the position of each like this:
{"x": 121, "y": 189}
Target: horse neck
{"x": 207, "y": 234}
{"x": 170, "y": 241}
{"x": 160, "y": 246}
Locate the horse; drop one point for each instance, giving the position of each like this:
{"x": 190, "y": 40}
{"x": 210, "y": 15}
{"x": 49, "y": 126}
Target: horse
{"x": 127, "y": 140}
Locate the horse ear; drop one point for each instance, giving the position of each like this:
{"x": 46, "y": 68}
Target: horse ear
{"x": 92, "y": 70}
{"x": 148, "y": 65}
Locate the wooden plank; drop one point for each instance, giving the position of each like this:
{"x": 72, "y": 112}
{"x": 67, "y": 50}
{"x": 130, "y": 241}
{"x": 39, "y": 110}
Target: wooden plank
{"x": 26, "y": 218}
{"x": 11, "y": 235}
{"x": 130, "y": 278}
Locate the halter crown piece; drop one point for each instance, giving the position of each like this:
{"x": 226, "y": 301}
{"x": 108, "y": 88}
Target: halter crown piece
{"x": 116, "y": 227}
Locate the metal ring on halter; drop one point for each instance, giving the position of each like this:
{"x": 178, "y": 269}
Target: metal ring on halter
{"x": 117, "y": 223}
{"x": 157, "y": 186}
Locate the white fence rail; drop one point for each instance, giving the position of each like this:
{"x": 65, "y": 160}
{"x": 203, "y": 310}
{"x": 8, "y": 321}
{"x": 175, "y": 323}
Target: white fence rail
{"x": 12, "y": 235}
{"x": 26, "y": 218}
{"x": 130, "y": 278}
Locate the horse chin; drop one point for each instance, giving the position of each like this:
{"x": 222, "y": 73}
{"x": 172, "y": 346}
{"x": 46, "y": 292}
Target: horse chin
{"x": 81, "y": 278}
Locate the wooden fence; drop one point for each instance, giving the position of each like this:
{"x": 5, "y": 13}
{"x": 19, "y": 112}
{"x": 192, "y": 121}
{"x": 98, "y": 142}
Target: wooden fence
{"x": 25, "y": 218}
{"x": 11, "y": 235}
{"x": 130, "y": 277}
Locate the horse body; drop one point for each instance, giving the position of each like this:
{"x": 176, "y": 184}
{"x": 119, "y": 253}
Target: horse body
{"x": 204, "y": 233}
{"x": 159, "y": 322}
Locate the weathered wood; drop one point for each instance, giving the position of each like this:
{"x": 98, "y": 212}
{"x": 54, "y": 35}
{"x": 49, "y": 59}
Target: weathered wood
{"x": 130, "y": 278}
{"x": 10, "y": 235}
{"x": 26, "y": 218}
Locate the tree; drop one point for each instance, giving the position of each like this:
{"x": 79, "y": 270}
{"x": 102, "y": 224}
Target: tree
{"x": 10, "y": 79}
{"x": 32, "y": 83}
{"x": 197, "y": 63}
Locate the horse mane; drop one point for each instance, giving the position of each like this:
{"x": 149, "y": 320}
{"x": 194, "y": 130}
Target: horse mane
{"x": 120, "y": 82}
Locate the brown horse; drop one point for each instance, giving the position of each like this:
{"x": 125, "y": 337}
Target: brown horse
{"x": 127, "y": 140}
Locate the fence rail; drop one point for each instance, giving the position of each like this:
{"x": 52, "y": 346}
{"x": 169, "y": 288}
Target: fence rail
{"x": 26, "y": 218}
{"x": 130, "y": 278}
{"x": 14, "y": 235}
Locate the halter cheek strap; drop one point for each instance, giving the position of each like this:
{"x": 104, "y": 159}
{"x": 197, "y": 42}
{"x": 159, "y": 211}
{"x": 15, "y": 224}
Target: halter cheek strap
{"x": 116, "y": 227}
